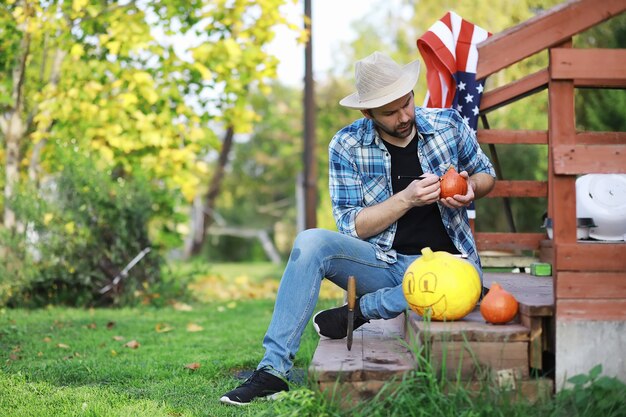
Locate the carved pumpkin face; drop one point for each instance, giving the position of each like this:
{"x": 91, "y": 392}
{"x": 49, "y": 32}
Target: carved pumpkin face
{"x": 442, "y": 285}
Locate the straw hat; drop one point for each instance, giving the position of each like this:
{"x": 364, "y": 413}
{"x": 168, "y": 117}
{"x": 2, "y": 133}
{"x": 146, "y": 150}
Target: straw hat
{"x": 379, "y": 81}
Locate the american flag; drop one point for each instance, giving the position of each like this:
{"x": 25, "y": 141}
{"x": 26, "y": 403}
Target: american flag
{"x": 450, "y": 54}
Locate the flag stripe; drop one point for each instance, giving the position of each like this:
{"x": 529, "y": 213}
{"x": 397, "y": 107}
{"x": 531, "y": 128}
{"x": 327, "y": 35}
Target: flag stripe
{"x": 464, "y": 45}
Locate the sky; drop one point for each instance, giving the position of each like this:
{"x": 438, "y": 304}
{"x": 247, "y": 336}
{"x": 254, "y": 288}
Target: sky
{"x": 331, "y": 28}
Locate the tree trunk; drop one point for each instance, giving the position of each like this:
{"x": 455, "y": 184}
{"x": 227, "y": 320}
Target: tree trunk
{"x": 213, "y": 192}
{"x": 14, "y": 131}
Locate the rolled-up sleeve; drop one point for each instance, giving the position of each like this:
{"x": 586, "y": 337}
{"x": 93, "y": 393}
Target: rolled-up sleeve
{"x": 346, "y": 191}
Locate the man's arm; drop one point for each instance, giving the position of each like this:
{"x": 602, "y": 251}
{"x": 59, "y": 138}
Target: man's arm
{"x": 374, "y": 219}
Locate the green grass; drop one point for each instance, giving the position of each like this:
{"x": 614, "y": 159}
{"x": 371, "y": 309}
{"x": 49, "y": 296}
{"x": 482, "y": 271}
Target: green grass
{"x": 97, "y": 376}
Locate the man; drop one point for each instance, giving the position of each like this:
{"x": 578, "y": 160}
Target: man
{"x": 385, "y": 215}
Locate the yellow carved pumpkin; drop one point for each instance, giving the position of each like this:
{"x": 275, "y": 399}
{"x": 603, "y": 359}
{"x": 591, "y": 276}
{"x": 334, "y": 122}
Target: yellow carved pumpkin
{"x": 442, "y": 285}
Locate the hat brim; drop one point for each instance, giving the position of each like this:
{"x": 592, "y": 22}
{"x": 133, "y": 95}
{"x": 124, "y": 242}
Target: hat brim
{"x": 404, "y": 85}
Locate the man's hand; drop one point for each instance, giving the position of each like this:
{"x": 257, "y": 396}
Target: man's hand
{"x": 423, "y": 192}
{"x": 458, "y": 201}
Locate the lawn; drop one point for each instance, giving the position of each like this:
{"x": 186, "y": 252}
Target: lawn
{"x": 72, "y": 362}
{"x": 179, "y": 359}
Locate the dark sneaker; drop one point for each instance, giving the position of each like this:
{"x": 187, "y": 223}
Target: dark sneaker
{"x": 333, "y": 323}
{"x": 261, "y": 384}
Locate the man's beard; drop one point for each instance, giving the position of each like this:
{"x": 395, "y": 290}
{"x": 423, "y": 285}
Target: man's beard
{"x": 398, "y": 133}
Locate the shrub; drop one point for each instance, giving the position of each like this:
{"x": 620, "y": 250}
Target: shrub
{"x": 77, "y": 232}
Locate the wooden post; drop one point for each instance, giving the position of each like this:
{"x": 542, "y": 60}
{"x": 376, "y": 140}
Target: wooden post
{"x": 310, "y": 162}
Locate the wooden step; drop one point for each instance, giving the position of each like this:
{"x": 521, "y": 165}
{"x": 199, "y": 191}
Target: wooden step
{"x": 470, "y": 348}
{"x": 379, "y": 354}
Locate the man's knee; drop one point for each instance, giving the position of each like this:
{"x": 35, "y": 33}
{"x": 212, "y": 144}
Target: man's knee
{"x": 309, "y": 243}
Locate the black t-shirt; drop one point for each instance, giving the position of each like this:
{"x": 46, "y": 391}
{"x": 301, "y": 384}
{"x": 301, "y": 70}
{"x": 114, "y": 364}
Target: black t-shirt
{"x": 420, "y": 227}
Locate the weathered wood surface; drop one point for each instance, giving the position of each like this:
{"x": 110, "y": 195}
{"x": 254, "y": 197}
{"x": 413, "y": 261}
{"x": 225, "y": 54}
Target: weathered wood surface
{"x": 508, "y": 241}
{"x": 516, "y": 90}
{"x": 471, "y": 328}
{"x": 576, "y": 64}
{"x": 542, "y": 31}
{"x": 519, "y": 188}
{"x": 501, "y": 136}
{"x": 470, "y": 348}
{"x": 582, "y": 159}
{"x": 535, "y": 295}
{"x": 378, "y": 353}
{"x": 591, "y": 256}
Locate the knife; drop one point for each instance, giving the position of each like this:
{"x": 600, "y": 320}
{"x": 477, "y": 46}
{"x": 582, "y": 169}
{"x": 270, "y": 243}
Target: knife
{"x": 351, "y": 305}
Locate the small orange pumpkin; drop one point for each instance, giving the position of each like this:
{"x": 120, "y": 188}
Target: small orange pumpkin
{"x": 452, "y": 183}
{"x": 499, "y": 306}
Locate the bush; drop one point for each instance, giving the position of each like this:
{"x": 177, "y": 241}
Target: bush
{"x": 76, "y": 233}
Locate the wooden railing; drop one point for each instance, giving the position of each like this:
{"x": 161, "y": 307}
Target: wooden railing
{"x": 570, "y": 153}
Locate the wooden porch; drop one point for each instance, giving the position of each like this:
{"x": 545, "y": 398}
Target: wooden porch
{"x": 511, "y": 356}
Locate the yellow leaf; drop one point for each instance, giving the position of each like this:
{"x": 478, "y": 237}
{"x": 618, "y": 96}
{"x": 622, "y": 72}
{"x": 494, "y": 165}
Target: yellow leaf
{"x": 62, "y": 346}
{"x": 70, "y": 228}
{"x": 77, "y": 5}
{"x": 114, "y": 47}
{"x": 142, "y": 77}
{"x": 193, "y": 366}
{"x": 192, "y": 328}
{"x": 163, "y": 328}
{"x": 47, "y": 218}
{"x": 77, "y": 51}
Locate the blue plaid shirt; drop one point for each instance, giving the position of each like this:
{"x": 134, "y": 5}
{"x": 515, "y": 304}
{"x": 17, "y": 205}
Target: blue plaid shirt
{"x": 360, "y": 173}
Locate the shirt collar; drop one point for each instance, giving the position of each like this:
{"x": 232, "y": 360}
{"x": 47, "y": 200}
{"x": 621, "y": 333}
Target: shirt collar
{"x": 423, "y": 127}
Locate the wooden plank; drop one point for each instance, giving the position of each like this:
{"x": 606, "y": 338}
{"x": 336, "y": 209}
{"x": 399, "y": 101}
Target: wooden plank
{"x": 470, "y": 360}
{"x": 590, "y": 256}
{"x": 542, "y": 31}
{"x": 591, "y": 310}
{"x": 600, "y": 83}
{"x": 546, "y": 251}
{"x": 471, "y": 328}
{"x": 535, "y": 344}
{"x": 584, "y": 159}
{"x": 508, "y": 241}
{"x": 601, "y": 138}
{"x": 500, "y": 136}
{"x": 519, "y": 188}
{"x": 588, "y": 63}
{"x": 561, "y": 131}
{"x": 377, "y": 353}
{"x": 535, "y": 295}
{"x": 516, "y": 90}
{"x": 499, "y": 260}
{"x": 590, "y": 285}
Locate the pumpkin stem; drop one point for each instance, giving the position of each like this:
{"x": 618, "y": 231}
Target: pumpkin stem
{"x": 427, "y": 254}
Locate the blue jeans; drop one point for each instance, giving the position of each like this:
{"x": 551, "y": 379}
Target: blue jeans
{"x": 319, "y": 254}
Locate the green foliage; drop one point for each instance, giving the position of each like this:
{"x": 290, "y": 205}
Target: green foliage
{"x": 602, "y": 109}
{"x": 592, "y": 395}
{"x": 80, "y": 231}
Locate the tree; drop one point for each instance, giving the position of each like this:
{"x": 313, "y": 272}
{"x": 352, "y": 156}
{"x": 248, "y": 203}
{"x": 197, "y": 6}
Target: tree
{"x": 136, "y": 90}
{"x": 98, "y": 76}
